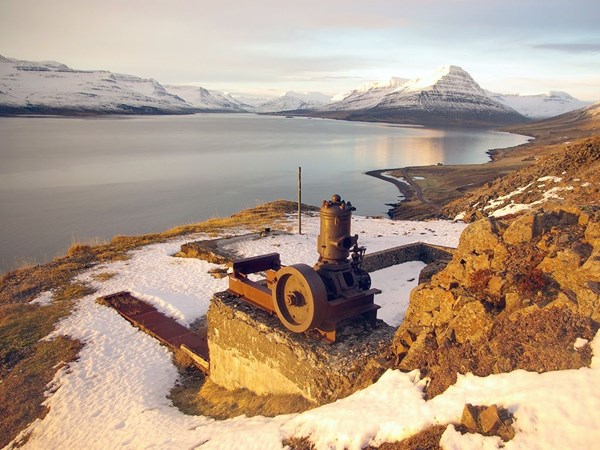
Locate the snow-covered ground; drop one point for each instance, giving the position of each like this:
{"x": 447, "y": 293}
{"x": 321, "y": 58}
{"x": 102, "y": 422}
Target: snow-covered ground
{"x": 115, "y": 394}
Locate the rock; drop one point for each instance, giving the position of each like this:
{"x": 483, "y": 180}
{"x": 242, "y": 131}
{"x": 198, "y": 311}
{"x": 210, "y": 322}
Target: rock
{"x": 471, "y": 323}
{"x": 469, "y": 418}
{"x": 480, "y": 236}
{"x": 424, "y": 344}
{"x": 495, "y": 285}
{"x": 431, "y": 269}
{"x": 564, "y": 301}
{"x": 425, "y": 306}
{"x": 488, "y": 421}
{"x": 521, "y": 230}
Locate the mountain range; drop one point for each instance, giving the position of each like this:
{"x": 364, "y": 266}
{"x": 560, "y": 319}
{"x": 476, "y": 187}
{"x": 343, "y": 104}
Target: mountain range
{"x": 447, "y": 96}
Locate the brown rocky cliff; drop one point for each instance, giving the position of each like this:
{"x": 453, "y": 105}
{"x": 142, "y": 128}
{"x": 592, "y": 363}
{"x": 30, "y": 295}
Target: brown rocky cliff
{"x": 517, "y": 294}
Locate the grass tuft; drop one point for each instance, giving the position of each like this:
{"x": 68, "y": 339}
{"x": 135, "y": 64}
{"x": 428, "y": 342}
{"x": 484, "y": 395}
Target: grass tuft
{"x": 104, "y": 276}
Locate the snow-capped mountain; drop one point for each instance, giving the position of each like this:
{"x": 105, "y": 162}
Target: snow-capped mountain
{"x": 205, "y": 100}
{"x": 540, "y": 106}
{"x": 449, "y": 96}
{"x": 366, "y": 96}
{"x": 51, "y": 87}
{"x": 294, "y": 101}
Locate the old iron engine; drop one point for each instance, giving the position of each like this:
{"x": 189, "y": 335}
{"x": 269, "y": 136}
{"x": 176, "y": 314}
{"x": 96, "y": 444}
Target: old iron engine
{"x": 306, "y": 298}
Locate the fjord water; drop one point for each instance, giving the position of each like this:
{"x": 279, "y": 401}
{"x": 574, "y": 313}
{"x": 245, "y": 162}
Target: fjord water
{"x": 74, "y": 179}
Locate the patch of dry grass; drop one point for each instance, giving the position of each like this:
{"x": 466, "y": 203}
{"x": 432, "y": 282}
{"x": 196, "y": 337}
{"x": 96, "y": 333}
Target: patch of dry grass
{"x": 28, "y": 364}
{"x": 104, "y": 276}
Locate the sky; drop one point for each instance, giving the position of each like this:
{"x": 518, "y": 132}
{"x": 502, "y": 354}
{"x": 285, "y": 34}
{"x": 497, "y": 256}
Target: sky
{"x": 267, "y": 47}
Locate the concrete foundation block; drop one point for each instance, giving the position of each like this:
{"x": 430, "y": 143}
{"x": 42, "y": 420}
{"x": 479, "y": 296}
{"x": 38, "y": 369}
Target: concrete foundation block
{"x": 251, "y": 349}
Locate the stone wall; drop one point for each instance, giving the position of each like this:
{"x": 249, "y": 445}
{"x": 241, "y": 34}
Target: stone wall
{"x": 251, "y": 349}
{"x": 418, "y": 251}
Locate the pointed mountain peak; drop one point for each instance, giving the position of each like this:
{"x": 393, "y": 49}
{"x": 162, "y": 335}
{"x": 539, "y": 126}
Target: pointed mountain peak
{"x": 451, "y": 69}
{"x": 448, "y": 77}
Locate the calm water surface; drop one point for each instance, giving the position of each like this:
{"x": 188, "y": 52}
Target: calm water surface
{"x": 69, "y": 179}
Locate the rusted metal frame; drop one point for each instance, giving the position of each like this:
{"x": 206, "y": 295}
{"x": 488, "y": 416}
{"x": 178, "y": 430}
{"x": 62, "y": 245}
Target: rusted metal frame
{"x": 253, "y": 292}
{"x": 254, "y": 264}
{"x": 328, "y": 329}
{"x": 166, "y": 330}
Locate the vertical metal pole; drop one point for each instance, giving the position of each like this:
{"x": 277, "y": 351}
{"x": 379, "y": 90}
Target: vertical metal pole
{"x": 299, "y": 200}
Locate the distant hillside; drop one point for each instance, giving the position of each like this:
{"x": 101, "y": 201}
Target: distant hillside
{"x": 570, "y": 175}
{"x": 575, "y": 124}
{"x": 541, "y": 106}
{"x": 207, "y": 100}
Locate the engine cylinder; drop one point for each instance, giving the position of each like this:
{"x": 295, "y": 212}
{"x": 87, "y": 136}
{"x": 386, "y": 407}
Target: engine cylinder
{"x": 334, "y": 241}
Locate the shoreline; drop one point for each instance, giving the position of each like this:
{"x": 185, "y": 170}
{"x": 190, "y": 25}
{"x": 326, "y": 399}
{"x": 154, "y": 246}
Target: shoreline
{"x": 438, "y": 185}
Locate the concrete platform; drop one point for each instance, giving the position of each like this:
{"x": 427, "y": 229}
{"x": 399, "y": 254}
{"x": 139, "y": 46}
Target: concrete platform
{"x": 251, "y": 349}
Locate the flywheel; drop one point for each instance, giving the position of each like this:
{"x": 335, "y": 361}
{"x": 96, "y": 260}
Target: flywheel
{"x": 299, "y": 297}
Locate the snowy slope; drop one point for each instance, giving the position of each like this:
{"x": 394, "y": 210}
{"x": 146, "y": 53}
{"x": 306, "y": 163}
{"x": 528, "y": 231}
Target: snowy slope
{"x": 50, "y": 87}
{"x": 366, "y": 96}
{"x": 540, "y": 106}
{"x": 115, "y": 394}
{"x": 249, "y": 100}
{"x": 203, "y": 99}
{"x": 291, "y": 101}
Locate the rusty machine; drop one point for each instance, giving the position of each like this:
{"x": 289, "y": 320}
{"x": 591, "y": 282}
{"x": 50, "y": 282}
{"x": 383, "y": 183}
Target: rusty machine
{"x": 313, "y": 298}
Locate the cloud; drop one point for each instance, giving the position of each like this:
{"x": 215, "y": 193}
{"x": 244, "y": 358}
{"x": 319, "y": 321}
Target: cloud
{"x": 571, "y": 48}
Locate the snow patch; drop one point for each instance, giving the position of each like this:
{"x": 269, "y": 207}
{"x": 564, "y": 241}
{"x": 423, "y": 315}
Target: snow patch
{"x": 550, "y": 178}
{"x": 459, "y": 216}
{"x": 44, "y": 299}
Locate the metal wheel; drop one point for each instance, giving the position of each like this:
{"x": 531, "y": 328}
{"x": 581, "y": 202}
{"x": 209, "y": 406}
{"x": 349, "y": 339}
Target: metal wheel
{"x": 299, "y": 298}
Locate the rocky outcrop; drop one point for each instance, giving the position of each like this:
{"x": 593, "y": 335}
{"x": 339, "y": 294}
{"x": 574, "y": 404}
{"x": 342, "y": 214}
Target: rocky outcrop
{"x": 517, "y": 294}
